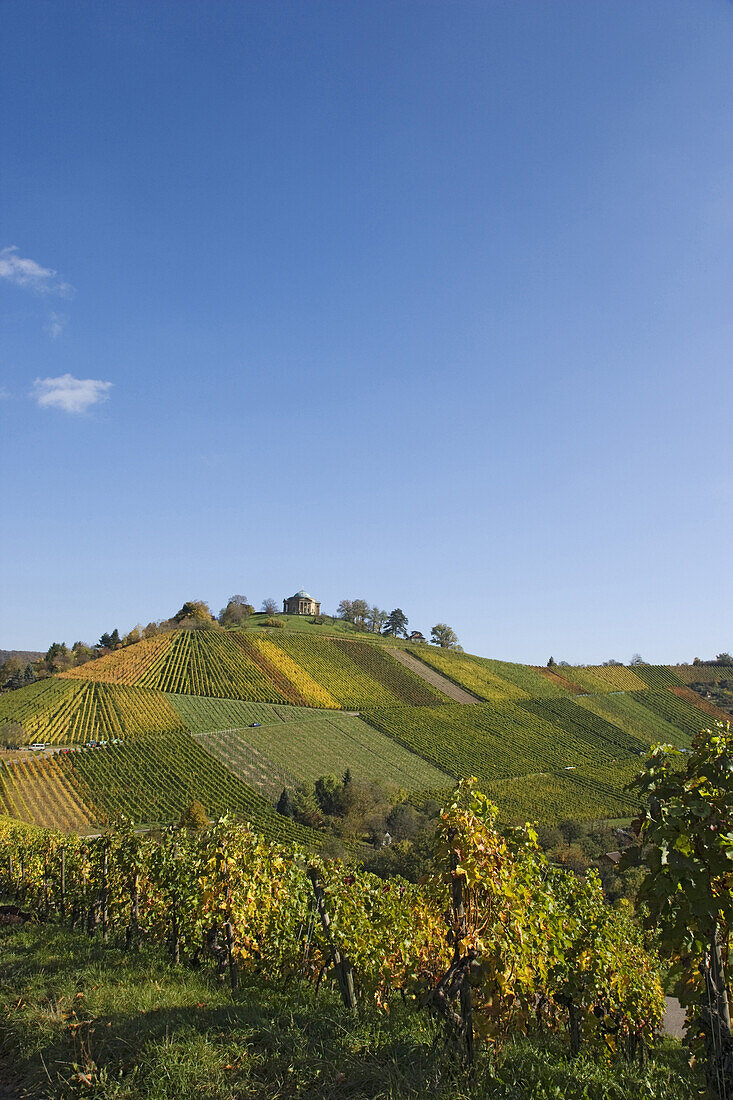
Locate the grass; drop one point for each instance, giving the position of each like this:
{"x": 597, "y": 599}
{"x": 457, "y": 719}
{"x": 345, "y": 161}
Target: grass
{"x": 80, "y": 1019}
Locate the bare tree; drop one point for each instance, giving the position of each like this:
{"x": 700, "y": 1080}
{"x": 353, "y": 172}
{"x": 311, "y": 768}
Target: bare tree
{"x": 270, "y": 606}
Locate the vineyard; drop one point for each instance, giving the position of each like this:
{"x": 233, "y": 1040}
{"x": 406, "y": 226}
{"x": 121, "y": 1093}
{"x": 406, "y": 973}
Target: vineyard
{"x": 272, "y": 706}
{"x": 44, "y": 792}
{"x": 315, "y": 745}
{"x": 575, "y": 754}
{"x": 155, "y": 779}
{"x": 355, "y": 674}
{"x": 703, "y": 674}
{"x": 583, "y": 795}
{"x": 128, "y": 666}
{"x": 296, "y": 669}
{"x": 201, "y": 715}
{"x": 538, "y": 935}
{"x": 57, "y": 710}
{"x": 233, "y": 750}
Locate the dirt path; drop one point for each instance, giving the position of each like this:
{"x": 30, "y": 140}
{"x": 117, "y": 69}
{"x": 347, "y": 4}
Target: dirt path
{"x": 674, "y": 1018}
{"x": 436, "y": 679}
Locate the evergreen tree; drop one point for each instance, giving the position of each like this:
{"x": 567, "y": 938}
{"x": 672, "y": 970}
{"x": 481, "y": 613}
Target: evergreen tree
{"x": 397, "y": 623}
{"x": 284, "y": 805}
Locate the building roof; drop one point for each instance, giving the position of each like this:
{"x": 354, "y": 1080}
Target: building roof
{"x": 302, "y": 595}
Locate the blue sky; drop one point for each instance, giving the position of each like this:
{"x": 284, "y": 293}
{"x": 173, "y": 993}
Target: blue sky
{"x": 428, "y": 303}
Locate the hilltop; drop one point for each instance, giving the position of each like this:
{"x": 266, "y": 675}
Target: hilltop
{"x": 234, "y": 716}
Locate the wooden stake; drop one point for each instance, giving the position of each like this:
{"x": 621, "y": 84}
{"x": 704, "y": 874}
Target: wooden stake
{"x": 342, "y": 968}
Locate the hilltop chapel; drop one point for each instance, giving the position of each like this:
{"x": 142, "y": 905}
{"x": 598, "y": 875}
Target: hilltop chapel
{"x": 301, "y": 604}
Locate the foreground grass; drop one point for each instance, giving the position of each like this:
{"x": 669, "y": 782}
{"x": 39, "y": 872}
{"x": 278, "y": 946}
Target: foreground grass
{"x": 81, "y": 1019}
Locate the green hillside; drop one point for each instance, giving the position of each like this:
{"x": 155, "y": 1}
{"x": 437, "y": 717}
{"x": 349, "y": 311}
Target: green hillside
{"x": 269, "y": 708}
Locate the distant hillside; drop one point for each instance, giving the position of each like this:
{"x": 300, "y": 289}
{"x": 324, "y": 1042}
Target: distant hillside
{"x": 28, "y": 656}
{"x": 181, "y": 711}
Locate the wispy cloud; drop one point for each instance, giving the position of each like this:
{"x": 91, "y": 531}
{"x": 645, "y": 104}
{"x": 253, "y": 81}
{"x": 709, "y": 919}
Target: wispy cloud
{"x": 4, "y": 394}
{"x": 71, "y": 395}
{"x": 56, "y": 324}
{"x": 31, "y": 275}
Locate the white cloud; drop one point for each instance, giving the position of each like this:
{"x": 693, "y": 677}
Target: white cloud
{"x": 30, "y": 275}
{"x": 72, "y": 395}
{"x": 56, "y": 324}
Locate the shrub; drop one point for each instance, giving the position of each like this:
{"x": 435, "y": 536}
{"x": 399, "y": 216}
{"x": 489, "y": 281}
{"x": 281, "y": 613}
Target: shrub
{"x": 194, "y": 817}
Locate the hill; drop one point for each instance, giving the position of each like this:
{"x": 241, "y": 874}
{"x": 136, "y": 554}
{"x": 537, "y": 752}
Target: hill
{"x": 27, "y": 656}
{"x": 268, "y": 708}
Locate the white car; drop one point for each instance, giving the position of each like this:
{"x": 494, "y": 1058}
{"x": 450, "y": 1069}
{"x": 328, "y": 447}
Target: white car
{"x": 38, "y": 745}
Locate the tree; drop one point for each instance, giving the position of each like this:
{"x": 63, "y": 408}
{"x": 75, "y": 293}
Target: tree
{"x": 329, "y": 794}
{"x": 344, "y": 611}
{"x": 236, "y": 612}
{"x": 11, "y": 670}
{"x": 396, "y": 623}
{"x": 194, "y": 816}
{"x": 724, "y": 659}
{"x": 270, "y": 606}
{"x": 82, "y": 653}
{"x": 637, "y": 659}
{"x": 686, "y": 849}
{"x": 376, "y": 619}
{"x": 115, "y": 639}
{"x": 359, "y": 612}
{"x": 193, "y": 612}
{"x": 284, "y": 805}
{"x": 57, "y": 658}
{"x": 551, "y": 662}
{"x": 444, "y": 636}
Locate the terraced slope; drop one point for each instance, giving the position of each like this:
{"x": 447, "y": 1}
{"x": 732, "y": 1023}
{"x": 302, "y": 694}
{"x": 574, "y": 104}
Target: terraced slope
{"x": 322, "y": 744}
{"x": 573, "y": 754}
{"x": 496, "y": 681}
{"x": 153, "y": 779}
{"x": 355, "y": 674}
{"x": 201, "y": 715}
{"x": 501, "y": 681}
{"x": 44, "y": 792}
{"x": 57, "y": 710}
{"x": 231, "y": 748}
{"x": 582, "y": 795}
{"x": 563, "y": 737}
{"x": 703, "y": 674}
{"x": 299, "y": 669}
{"x": 125, "y": 666}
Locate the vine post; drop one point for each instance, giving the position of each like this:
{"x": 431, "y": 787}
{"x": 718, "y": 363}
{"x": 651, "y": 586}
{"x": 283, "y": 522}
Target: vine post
{"x": 62, "y": 890}
{"x": 342, "y": 968}
{"x": 105, "y": 893}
